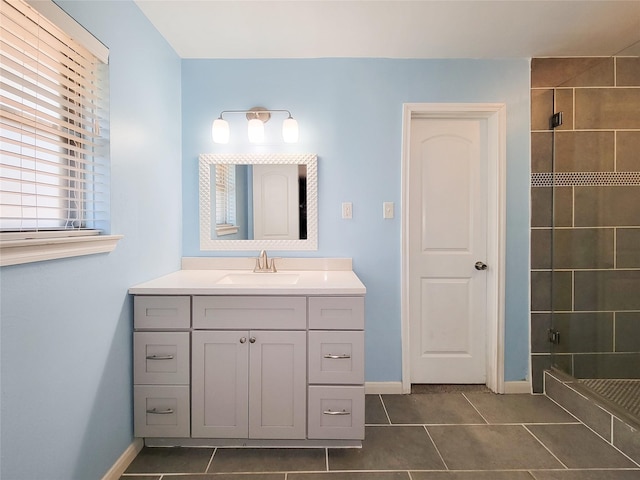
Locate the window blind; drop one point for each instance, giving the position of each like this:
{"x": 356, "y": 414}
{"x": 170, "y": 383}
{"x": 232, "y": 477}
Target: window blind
{"x": 225, "y": 194}
{"x": 53, "y": 126}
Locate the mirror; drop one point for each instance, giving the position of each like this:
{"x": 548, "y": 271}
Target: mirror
{"x": 258, "y": 201}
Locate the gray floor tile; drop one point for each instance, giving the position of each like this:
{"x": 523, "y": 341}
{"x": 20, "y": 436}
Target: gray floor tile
{"x": 490, "y": 447}
{"x": 140, "y": 477}
{"x": 388, "y": 448}
{"x": 433, "y": 408}
{"x": 224, "y": 476}
{"x": 171, "y": 460}
{"x": 268, "y": 460}
{"x": 493, "y": 475}
{"x": 518, "y": 408}
{"x": 374, "y": 411}
{"x": 578, "y": 447}
{"x": 349, "y": 476}
{"x": 586, "y": 475}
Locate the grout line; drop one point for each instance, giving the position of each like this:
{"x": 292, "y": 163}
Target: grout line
{"x": 546, "y": 448}
{"x": 326, "y": 456}
{"x": 384, "y": 407}
{"x": 213, "y": 454}
{"x": 410, "y": 476}
{"x": 474, "y": 407}
{"x": 436, "y": 447}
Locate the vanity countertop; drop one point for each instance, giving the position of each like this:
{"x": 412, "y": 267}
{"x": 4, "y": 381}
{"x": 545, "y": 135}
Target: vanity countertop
{"x": 209, "y": 276}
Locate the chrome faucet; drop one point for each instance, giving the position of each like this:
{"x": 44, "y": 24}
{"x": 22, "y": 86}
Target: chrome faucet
{"x": 263, "y": 265}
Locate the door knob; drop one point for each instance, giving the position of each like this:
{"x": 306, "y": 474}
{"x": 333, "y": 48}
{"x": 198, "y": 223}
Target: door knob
{"x": 480, "y": 266}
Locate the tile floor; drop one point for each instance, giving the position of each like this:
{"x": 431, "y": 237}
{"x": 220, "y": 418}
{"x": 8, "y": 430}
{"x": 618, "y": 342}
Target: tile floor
{"x": 446, "y": 435}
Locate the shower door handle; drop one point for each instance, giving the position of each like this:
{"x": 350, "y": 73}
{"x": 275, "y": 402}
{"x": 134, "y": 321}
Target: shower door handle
{"x": 480, "y": 266}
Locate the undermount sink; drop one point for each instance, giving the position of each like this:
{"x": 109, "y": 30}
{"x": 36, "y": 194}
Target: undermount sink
{"x": 260, "y": 279}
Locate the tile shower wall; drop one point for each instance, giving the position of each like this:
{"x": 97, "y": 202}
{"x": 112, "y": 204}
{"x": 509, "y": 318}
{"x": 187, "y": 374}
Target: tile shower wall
{"x": 587, "y": 268}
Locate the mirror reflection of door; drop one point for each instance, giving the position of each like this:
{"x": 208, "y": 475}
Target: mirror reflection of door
{"x": 276, "y": 202}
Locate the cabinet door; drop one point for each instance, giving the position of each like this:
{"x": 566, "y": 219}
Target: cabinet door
{"x": 277, "y": 379}
{"x": 220, "y": 384}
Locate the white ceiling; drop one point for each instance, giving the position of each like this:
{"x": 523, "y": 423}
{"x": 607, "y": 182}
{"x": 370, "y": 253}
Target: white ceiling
{"x": 396, "y": 28}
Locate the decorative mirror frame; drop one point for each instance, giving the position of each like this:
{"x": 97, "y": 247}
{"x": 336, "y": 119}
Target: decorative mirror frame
{"x": 208, "y": 159}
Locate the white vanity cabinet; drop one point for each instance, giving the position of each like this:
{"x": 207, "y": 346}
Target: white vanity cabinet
{"x": 336, "y": 368}
{"x": 161, "y": 359}
{"x": 219, "y": 366}
{"x": 249, "y": 383}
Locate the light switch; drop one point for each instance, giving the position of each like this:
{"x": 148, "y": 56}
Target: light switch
{"x": 347, "y": 210}
{"x": 387, "y": 210}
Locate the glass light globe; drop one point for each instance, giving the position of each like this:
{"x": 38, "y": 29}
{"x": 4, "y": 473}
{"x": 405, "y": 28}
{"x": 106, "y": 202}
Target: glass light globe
{"x": 256, "y": 130}
{"x": 290, "y": 130}
{"x": 220, "y": 131}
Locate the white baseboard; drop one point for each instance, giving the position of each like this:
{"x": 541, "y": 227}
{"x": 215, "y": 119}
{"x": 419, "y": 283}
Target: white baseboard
{"x": 522, "y": 386}
{"x": 125, "y": 460}
{"x": 382, "y": 388}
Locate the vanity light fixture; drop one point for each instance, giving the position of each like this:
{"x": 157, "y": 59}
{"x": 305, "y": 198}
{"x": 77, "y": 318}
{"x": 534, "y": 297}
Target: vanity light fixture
{"x": 256, "y": 117}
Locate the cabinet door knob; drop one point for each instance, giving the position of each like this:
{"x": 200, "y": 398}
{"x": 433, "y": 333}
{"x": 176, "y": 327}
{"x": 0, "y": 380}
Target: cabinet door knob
{"x": 243, "y": 339}
{"x": 252, "y": 339}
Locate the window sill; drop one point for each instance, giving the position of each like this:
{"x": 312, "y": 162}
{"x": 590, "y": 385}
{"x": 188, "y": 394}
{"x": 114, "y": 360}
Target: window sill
{"x": 15, "y": 252}
{"x": 226, "y": 230}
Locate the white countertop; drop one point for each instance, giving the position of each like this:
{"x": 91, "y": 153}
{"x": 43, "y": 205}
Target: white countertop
{"x": 310, "y": 277}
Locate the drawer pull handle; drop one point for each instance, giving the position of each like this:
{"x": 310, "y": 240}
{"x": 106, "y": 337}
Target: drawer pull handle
{"x": 168, "y": 411}
{"x": 332, "y": 412}
{"x": 344, "y": 355}
{"x": 160, "y": 357}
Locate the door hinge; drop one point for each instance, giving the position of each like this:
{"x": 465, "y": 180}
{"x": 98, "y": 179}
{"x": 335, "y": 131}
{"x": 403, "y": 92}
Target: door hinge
{"x": 554, "y": 336}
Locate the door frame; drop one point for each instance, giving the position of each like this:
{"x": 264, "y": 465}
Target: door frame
{"x": 495, "y": 114}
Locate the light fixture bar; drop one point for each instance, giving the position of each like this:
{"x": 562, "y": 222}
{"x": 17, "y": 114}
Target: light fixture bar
{"x": 257, "y": 117}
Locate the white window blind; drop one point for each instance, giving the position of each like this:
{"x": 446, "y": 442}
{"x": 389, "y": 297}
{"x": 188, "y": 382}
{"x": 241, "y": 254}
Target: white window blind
{"x": 225, "y": 195}
{"x": 53, "y": 125}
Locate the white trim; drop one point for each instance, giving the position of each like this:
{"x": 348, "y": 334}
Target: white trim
{"x": 522, "y": 386}
{"x": 118, "y": 468}
{"x": 15, "y": 252}
{"x": 495, "y": 114}
{"x": 375, "y": 388}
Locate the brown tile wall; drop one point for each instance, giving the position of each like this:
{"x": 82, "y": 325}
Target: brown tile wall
{"x": 585, "y": 238}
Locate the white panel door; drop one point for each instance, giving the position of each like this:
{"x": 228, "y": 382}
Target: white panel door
{"x": 278, "y": 384}
{"x": 220, "y": 383}
{"x": 276, "y": 213}
{"x": 447, "y": 236}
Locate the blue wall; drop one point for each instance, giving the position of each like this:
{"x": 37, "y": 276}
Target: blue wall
{"x": 66, "y": 324}
{"x": 350, "y": 114}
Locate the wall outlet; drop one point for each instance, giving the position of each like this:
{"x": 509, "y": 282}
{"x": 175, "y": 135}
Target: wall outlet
{"x": 387, "y": 210}
{"x": 347, "y": 210}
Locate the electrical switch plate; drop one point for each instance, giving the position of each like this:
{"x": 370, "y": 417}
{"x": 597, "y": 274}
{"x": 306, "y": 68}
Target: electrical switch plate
{"x": 347, "y": 210}
{"x": 387, "y": 210}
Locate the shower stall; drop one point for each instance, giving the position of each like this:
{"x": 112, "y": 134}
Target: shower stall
{"x": 585, "y": 226}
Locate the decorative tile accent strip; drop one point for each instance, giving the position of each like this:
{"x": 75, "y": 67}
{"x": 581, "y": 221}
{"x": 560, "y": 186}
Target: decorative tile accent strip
{"x": 586, "y": 179}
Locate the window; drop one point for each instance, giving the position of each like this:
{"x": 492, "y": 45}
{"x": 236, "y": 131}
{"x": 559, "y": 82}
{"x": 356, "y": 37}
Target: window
{"x": 54, "y": 152}
{"x": 225, "y": 199}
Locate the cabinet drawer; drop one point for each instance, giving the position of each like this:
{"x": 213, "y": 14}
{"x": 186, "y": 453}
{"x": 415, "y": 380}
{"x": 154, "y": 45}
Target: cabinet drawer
{"x": 161, "y": 358}
{"x": 161, "y": 312}
{"x": 336, "y": 413}
{"x": 336, "y": 313}
{"x": 161, "y": 411}
{"x": 249, "y": 312}
{"x": 336, "y": 357}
